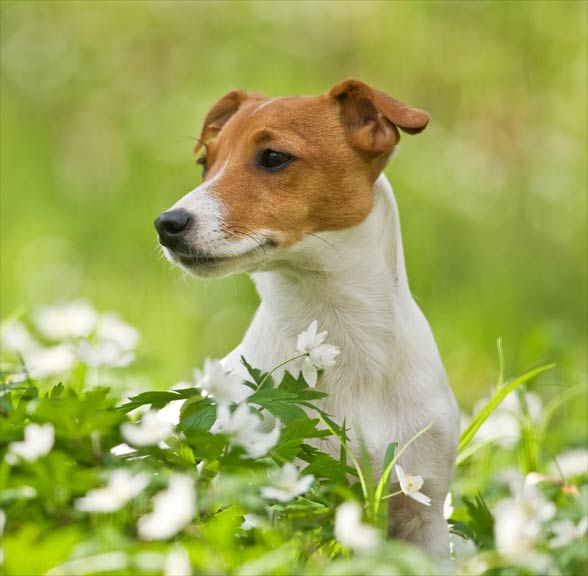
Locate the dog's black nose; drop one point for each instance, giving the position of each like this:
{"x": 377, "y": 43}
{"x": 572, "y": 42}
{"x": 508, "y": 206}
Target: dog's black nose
{"x": 171, "y": 226}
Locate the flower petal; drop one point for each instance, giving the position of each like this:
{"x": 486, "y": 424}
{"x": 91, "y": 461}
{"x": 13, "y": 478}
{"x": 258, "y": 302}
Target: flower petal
{"x": 309, "y": 372}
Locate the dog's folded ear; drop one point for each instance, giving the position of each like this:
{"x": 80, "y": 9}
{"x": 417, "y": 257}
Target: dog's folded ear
{"x": 220, "y": 113}
{"x": 372, "y": 118}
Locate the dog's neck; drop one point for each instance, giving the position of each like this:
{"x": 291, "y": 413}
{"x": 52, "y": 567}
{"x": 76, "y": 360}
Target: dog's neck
{"x": 352, "y": 281}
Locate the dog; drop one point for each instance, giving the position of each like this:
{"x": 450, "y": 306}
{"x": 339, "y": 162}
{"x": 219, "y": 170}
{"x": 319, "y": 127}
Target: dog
{"x": 294, "y": 194}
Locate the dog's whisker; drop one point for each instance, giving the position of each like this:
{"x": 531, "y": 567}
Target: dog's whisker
{"x": 247, "y": 233}
{"x": 328, "y": 243}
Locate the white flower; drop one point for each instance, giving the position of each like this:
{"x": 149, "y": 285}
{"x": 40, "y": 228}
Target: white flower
{"x": 503, "y": 426}
{"x": 252, "y": 521}
{"x": 112, "y": 329}
{"x": 15, "y": 338}
{"x": 286, "y": 485}
{"x": 68, "y": 320}
{"x": 177, "y": 562}
{"x": 104, "y": 353}
{"x": 121, "y": 487}
{"x": 171, "y": 412}
{"x": 571, "y": 463}
{"x": 115, "y": 341}
{"x": 38, "y": 441}
{"x": 517, "y": 527}
{"x": 460, "y": 547}
{"x": 351, "y": 532}
{"x": 319, "y": 355}
{"x": 222, "y": 386}
{"x": 310, "y": 339}
{"x": 565, "y": 532}
{"x": 448, "y": 506}
{"x": 46, "y": 362}
{"x": 411, "y": 485}
{"x": 151, "y": 430}
{"x": 173, "y": 510}
{"x": 121, "y": 450}
{"x": 246, "y": 429}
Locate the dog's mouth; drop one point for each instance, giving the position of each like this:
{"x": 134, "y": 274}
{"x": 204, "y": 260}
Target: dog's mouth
{"x": 196, "y": 261}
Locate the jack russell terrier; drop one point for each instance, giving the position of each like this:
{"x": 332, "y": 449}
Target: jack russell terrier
{"x": 294, "y": 194}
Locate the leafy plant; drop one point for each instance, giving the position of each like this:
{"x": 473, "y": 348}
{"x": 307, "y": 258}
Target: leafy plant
{"x": 230, "y": 476}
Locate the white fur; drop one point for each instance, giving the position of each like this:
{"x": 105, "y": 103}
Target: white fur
{"x": 389, "y": 381}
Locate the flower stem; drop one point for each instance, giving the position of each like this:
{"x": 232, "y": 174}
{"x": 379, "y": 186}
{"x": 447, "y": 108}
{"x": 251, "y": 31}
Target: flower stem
{"x": 391, "y": 495}
{"x": 266, "y": 377}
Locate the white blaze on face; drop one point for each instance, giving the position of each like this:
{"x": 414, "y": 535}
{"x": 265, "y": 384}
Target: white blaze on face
{"x": 208, "y": 236}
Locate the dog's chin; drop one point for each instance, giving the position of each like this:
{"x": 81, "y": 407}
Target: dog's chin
{"x": 212, "y": 266}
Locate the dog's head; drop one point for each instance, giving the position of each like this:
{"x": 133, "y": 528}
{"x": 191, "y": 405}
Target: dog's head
{"x": 279, "y": 169}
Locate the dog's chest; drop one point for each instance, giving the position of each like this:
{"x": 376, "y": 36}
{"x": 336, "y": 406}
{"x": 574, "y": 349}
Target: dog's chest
{"x": 362, "y": 388}
{"x": 368, "y": 405}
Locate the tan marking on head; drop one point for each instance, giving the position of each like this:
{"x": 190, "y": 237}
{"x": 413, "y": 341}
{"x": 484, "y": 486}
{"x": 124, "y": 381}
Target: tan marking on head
{"x": 341, "y": 141}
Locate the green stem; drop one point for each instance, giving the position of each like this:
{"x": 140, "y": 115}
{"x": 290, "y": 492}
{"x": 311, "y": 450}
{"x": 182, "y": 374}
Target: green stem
{"x": 391, "y": 495}
{"x": 276, "y": 368}
{"x": 353, "y": 459}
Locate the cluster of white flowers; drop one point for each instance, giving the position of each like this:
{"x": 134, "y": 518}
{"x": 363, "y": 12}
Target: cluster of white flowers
{"x": 76, "y": 332}
{"x": 565, "y": 531}
{"x": 122, "y": 486}
{"x": 223, "y": 386}
{"x": 153, "y": 429}
{"x": 519, "y": 522}
{"x": 244, "y": 427}
{"x": 173, "y": 507}
{"x": 38, "y": 441}
{"x": 173, "y": 510}
{"x": 286, "y": 485}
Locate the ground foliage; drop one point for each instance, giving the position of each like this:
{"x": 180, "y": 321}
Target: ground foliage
{"x": 201, "y": 497}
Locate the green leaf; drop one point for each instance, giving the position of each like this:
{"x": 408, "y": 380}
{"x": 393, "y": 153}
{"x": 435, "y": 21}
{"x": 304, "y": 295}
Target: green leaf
{"x": 203, "y": 444}
{"x": 256, "y": 374}
{"x": 157, "y": 399}
{"x": 471, "y": 449}
{"x": 271, "y": 395}
{"x": 201, "y": 419}
{"x": 325, "y": 466}
{"x": 56, "y": 391}
{"x": 281, "y": 403}
{"x": 285, "y": 411}
{"x": 482, "y": 521}
{"x": 300, "y": 388}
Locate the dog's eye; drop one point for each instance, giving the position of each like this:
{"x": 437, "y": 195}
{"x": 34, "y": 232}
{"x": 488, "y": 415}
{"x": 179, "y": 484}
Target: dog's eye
{"x": 273, "y": 161}
{"x": 202, "y": 162}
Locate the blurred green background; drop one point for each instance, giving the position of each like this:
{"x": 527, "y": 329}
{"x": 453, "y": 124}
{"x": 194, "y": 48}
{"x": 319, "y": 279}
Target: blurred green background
{"x": 100, "y": 100}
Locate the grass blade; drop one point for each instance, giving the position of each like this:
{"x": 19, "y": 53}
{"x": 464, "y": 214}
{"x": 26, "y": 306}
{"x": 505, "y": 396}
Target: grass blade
{"x": 495, "y": 401}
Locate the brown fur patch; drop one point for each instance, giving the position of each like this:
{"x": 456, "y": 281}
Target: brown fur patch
{"x": 327, "y": 187}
